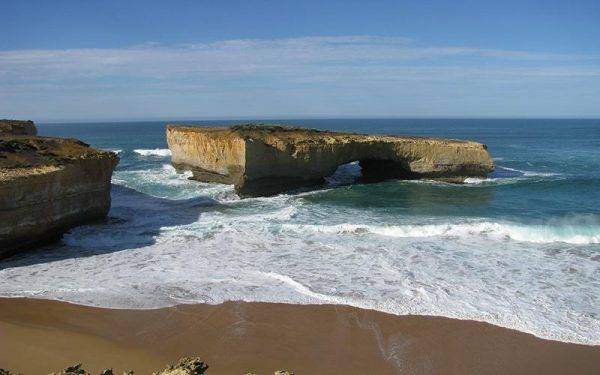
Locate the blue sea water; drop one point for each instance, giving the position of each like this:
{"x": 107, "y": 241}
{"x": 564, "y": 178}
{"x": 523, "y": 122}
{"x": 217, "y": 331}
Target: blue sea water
{"x": 520, "y": 248}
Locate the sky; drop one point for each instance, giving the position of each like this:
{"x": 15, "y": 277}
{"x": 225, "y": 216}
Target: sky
{"x": 143, "y": 60}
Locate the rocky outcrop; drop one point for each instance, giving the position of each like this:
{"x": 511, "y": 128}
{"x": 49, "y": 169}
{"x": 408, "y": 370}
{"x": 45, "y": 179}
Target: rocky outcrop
{"x": 266, "y": 160}
{"x": 17, "y": 127}
{"x": 48, "y": 185}
{"x": 185, "y": 366}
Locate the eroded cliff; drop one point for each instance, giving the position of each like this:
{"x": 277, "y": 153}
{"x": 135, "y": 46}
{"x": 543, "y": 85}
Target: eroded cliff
{"x": 17, "y": 127}
{"x": 48, "y": 185}
{"x": 266, "y": 160}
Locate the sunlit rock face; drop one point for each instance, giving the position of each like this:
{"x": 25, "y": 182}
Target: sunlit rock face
{"x": 48, "y": 185}
{"x": 266, "y": 160}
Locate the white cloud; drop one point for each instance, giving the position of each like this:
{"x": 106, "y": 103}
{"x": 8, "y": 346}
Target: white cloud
{"x": 335, "y": 71}
{"x": 238, "y": 58}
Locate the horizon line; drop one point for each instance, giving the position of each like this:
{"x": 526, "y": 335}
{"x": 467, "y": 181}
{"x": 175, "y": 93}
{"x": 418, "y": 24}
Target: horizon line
{"x": 291, "y": 118}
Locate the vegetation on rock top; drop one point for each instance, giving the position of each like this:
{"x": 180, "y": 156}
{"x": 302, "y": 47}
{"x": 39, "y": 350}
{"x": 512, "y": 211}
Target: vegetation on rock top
{"x": 270, "y": 128}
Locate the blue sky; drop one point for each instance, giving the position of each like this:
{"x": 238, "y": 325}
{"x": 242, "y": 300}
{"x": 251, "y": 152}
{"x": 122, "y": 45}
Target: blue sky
{"x": 97, "y": 60}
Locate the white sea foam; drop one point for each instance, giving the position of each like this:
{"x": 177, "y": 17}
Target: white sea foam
{"x": 165, "y": 182}
{"x": 203, "y": 244}
{"x": 494, "y": 180}
{"x": 116, "y": 151}
{"x": 345, "y": 174}
{"x": 512, "y": 176}
{"x": 526, "y": 233}
{"x": 173, "y": 252}
{"x": 161, "y": 152}
{"x": 166, "y": 175}
{"x": 529, "y": 173}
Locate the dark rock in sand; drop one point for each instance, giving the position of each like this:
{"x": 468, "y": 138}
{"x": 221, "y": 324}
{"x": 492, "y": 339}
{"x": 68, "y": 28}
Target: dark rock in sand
{"x": 185, "y": 366}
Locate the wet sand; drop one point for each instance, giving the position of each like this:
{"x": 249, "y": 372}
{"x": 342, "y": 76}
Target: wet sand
{"x": 38, "y": 336}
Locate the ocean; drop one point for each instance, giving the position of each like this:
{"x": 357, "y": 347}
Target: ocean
{"x": 520, "y": 249}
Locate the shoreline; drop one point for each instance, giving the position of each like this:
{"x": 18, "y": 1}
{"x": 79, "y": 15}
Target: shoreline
{"x": 315, "y": 303}
{"x": 41, "y": 336}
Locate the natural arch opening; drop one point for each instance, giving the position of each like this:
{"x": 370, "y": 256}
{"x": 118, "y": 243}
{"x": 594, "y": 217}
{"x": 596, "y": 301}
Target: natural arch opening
{"x": 377, "y": 170}
{"x": 368, "y": 171}
{"x": 345, "y": 174}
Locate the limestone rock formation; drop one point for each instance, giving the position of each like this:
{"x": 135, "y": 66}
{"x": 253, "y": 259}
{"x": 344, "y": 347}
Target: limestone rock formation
{"x": 17, "y": 127}
{"x": 48, "y": 185}
{"x": 266, "y": 160}
{"x": 185, "y": 366}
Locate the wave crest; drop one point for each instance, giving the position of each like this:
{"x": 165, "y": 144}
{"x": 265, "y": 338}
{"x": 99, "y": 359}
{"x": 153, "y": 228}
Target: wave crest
{"x": 579, "y": 235}
{"x": 163, "y": 152}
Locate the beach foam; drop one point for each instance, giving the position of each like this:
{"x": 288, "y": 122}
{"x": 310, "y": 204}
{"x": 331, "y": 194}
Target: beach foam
{"x": 502, "y": 254}
{"x": 210, "y": 248}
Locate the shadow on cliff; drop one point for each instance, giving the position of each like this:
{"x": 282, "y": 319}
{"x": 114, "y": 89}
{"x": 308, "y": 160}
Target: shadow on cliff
{"x": 135, "y": 220}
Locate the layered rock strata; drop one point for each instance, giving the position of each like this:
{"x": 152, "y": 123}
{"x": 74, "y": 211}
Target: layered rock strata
{"x": 48, "y": 185}
{"x": 266, "y": 160}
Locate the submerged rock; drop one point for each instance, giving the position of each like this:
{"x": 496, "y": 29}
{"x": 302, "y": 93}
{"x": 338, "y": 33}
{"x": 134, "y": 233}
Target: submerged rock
{"x": 185, "y": 366}
{"x": 48, "y": 185}
{"x": 266, "y": 160}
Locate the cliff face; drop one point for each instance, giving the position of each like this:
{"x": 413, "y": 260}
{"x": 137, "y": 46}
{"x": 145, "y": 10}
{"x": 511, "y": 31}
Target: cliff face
{"x": 48, "y": 185}
{"x": 266, "y": 160}
{"x": 17, "y": 127}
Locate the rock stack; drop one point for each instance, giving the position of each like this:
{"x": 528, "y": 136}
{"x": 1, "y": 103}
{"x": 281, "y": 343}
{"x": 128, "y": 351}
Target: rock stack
{"x": 48, "y": 185}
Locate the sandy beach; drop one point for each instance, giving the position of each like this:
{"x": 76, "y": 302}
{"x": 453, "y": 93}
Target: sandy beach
{"x": 40, "y": 336}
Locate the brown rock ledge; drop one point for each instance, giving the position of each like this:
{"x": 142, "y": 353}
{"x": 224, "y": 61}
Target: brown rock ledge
{"x": 48, "y": 185}
{"x": 17, "y": 127}
{"x": 265, "y": 160}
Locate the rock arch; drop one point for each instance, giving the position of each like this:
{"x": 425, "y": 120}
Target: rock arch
{"x": 266, "y": 160}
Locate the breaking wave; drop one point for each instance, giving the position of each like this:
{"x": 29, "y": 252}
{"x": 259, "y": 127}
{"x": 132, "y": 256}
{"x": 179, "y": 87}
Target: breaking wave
{"x": 162, "y": 152}
{"x": 579, "y": 235}
{"x": 529, "y": 173}
{"x": 116, "y": 151}
{"x": 507, "y": 176}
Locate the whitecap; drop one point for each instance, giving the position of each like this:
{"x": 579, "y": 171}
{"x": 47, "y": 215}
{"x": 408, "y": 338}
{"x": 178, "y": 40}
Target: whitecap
{"x": 162, "y": 152}
{"x": 116, "y": 151}
{"x": 578, "y": 235}
{"x": 529, "y": 173}
{"x": 493, "y": 180}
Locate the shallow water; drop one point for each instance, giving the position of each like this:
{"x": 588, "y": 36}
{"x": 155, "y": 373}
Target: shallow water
{"x": 518, "y": 249}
